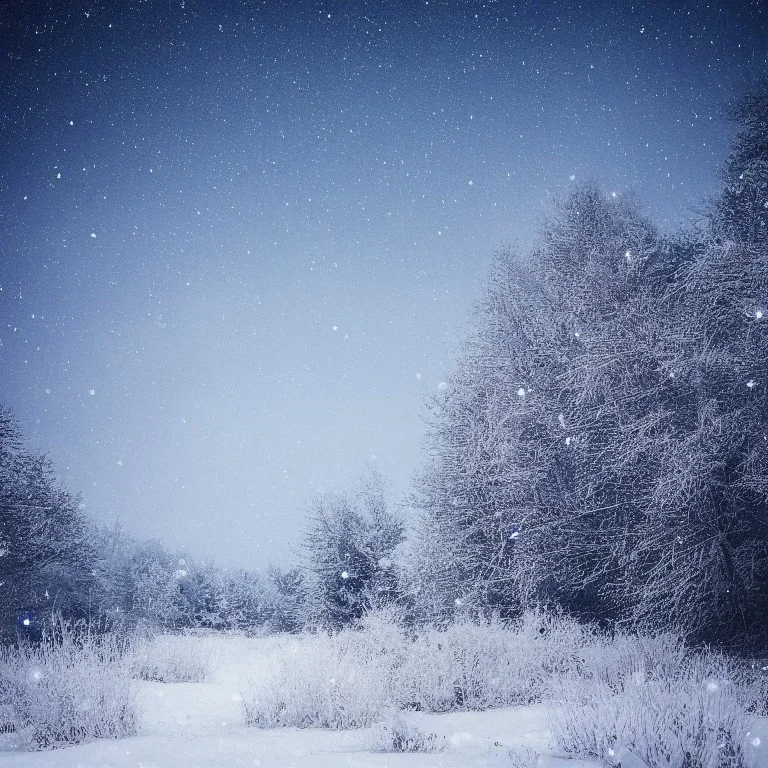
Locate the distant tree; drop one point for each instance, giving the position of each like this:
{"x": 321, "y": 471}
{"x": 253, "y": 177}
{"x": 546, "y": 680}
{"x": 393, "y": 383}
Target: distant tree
{"x": 348, "y": 550}
{"x": 285, "y": 600}
{"x": 113, "y": 551}
{"x": 245, "y": 596}
{"x": 158, "y": 599}
{"x": 45, "y": 556}
{"x": 204, "y": 589}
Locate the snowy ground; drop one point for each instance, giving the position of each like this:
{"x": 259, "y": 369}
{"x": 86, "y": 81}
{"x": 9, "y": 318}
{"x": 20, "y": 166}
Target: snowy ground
{"x": 196, "y": 725}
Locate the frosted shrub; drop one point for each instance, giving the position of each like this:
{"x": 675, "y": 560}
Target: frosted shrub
{"x": 611, "y": 661}
{"x": 320, "y": 681}
{"x": 465, "y": 666}
{"x": 490, "y": 664}
{"x": 753, "y": 679}
{"x": 397, "y": 734}
{"x": 521, "y": 756}
{"x": 427, "y": 679}
{"x": 346, "y": 680}
{"x": 690, "y": 717}
{"x": 554, "y": 642}
{"x": 172, "y": 659}
{"x": 71, "y": 688}
{"x": 380, "y": 633}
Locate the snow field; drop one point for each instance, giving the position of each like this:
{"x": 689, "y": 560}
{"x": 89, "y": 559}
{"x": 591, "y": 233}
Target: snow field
{"x": 543, "y": 692}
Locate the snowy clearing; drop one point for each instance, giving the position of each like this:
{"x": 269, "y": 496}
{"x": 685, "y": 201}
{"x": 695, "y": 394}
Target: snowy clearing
{"x": 191, "y": 724}
{"x": 202, "y": 724}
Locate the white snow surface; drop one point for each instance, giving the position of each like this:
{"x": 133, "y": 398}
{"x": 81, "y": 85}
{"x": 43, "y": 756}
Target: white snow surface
{"x": 196, "y": 725}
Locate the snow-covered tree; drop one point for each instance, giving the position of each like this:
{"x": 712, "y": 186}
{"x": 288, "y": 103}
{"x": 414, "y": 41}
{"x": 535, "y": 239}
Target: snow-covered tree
{"x": 538, "y": 447}
{"x": 45, "y": 557}
{"x": 158, "y": 598}
{"x": 284, "y": 600}
{"x": 113, "y": 570}
{"x": 244, "y": 601}
{"x": 702, "y": 556}
{"x": 603, "y": 444}
{"x": 348, "y": 551}
{"x": 741, "y": 211}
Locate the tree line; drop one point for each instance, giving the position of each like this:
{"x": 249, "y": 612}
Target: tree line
{"x": 601, "y": 449}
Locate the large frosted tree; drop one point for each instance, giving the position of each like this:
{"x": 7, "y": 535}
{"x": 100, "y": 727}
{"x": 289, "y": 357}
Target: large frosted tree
{"x": 553, "y": 401}
{"x": 702, "y": 559}
{"x": 603, "y": 445}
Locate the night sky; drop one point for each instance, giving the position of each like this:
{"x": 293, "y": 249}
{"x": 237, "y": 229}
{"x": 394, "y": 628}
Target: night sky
{"x": 240, "y": 241}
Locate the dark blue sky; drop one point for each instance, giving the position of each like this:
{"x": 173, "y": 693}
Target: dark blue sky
{"x": 240, "y": 241}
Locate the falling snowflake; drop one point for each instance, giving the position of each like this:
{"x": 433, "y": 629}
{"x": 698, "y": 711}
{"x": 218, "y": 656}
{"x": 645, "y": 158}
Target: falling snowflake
{"x": 751, "y": 384}
{"x": 759, "y": 314}
{"x": 93, "y": 234}
{"x": 344, "y": 574}
{"x": 521, "y": 392}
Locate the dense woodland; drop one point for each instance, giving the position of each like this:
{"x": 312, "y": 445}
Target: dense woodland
{"x": 601, "y": 449}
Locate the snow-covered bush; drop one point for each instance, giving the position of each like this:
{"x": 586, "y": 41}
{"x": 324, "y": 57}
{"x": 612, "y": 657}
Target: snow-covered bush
{"x": 327, "y": 681}
{"x": 464, "y": 666}
{"x": 71, "y": 688}
{"x": 521, "y": 756}
{"x": 612, "y": 660}
{"x": 477, "y": 665}
{"x": 172, "y": 659}
{"x": 348, "y": 679}
{"x": 657, "y": 715}
{"x": 753, "y": 683}
{"x": 397, "y": 734}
